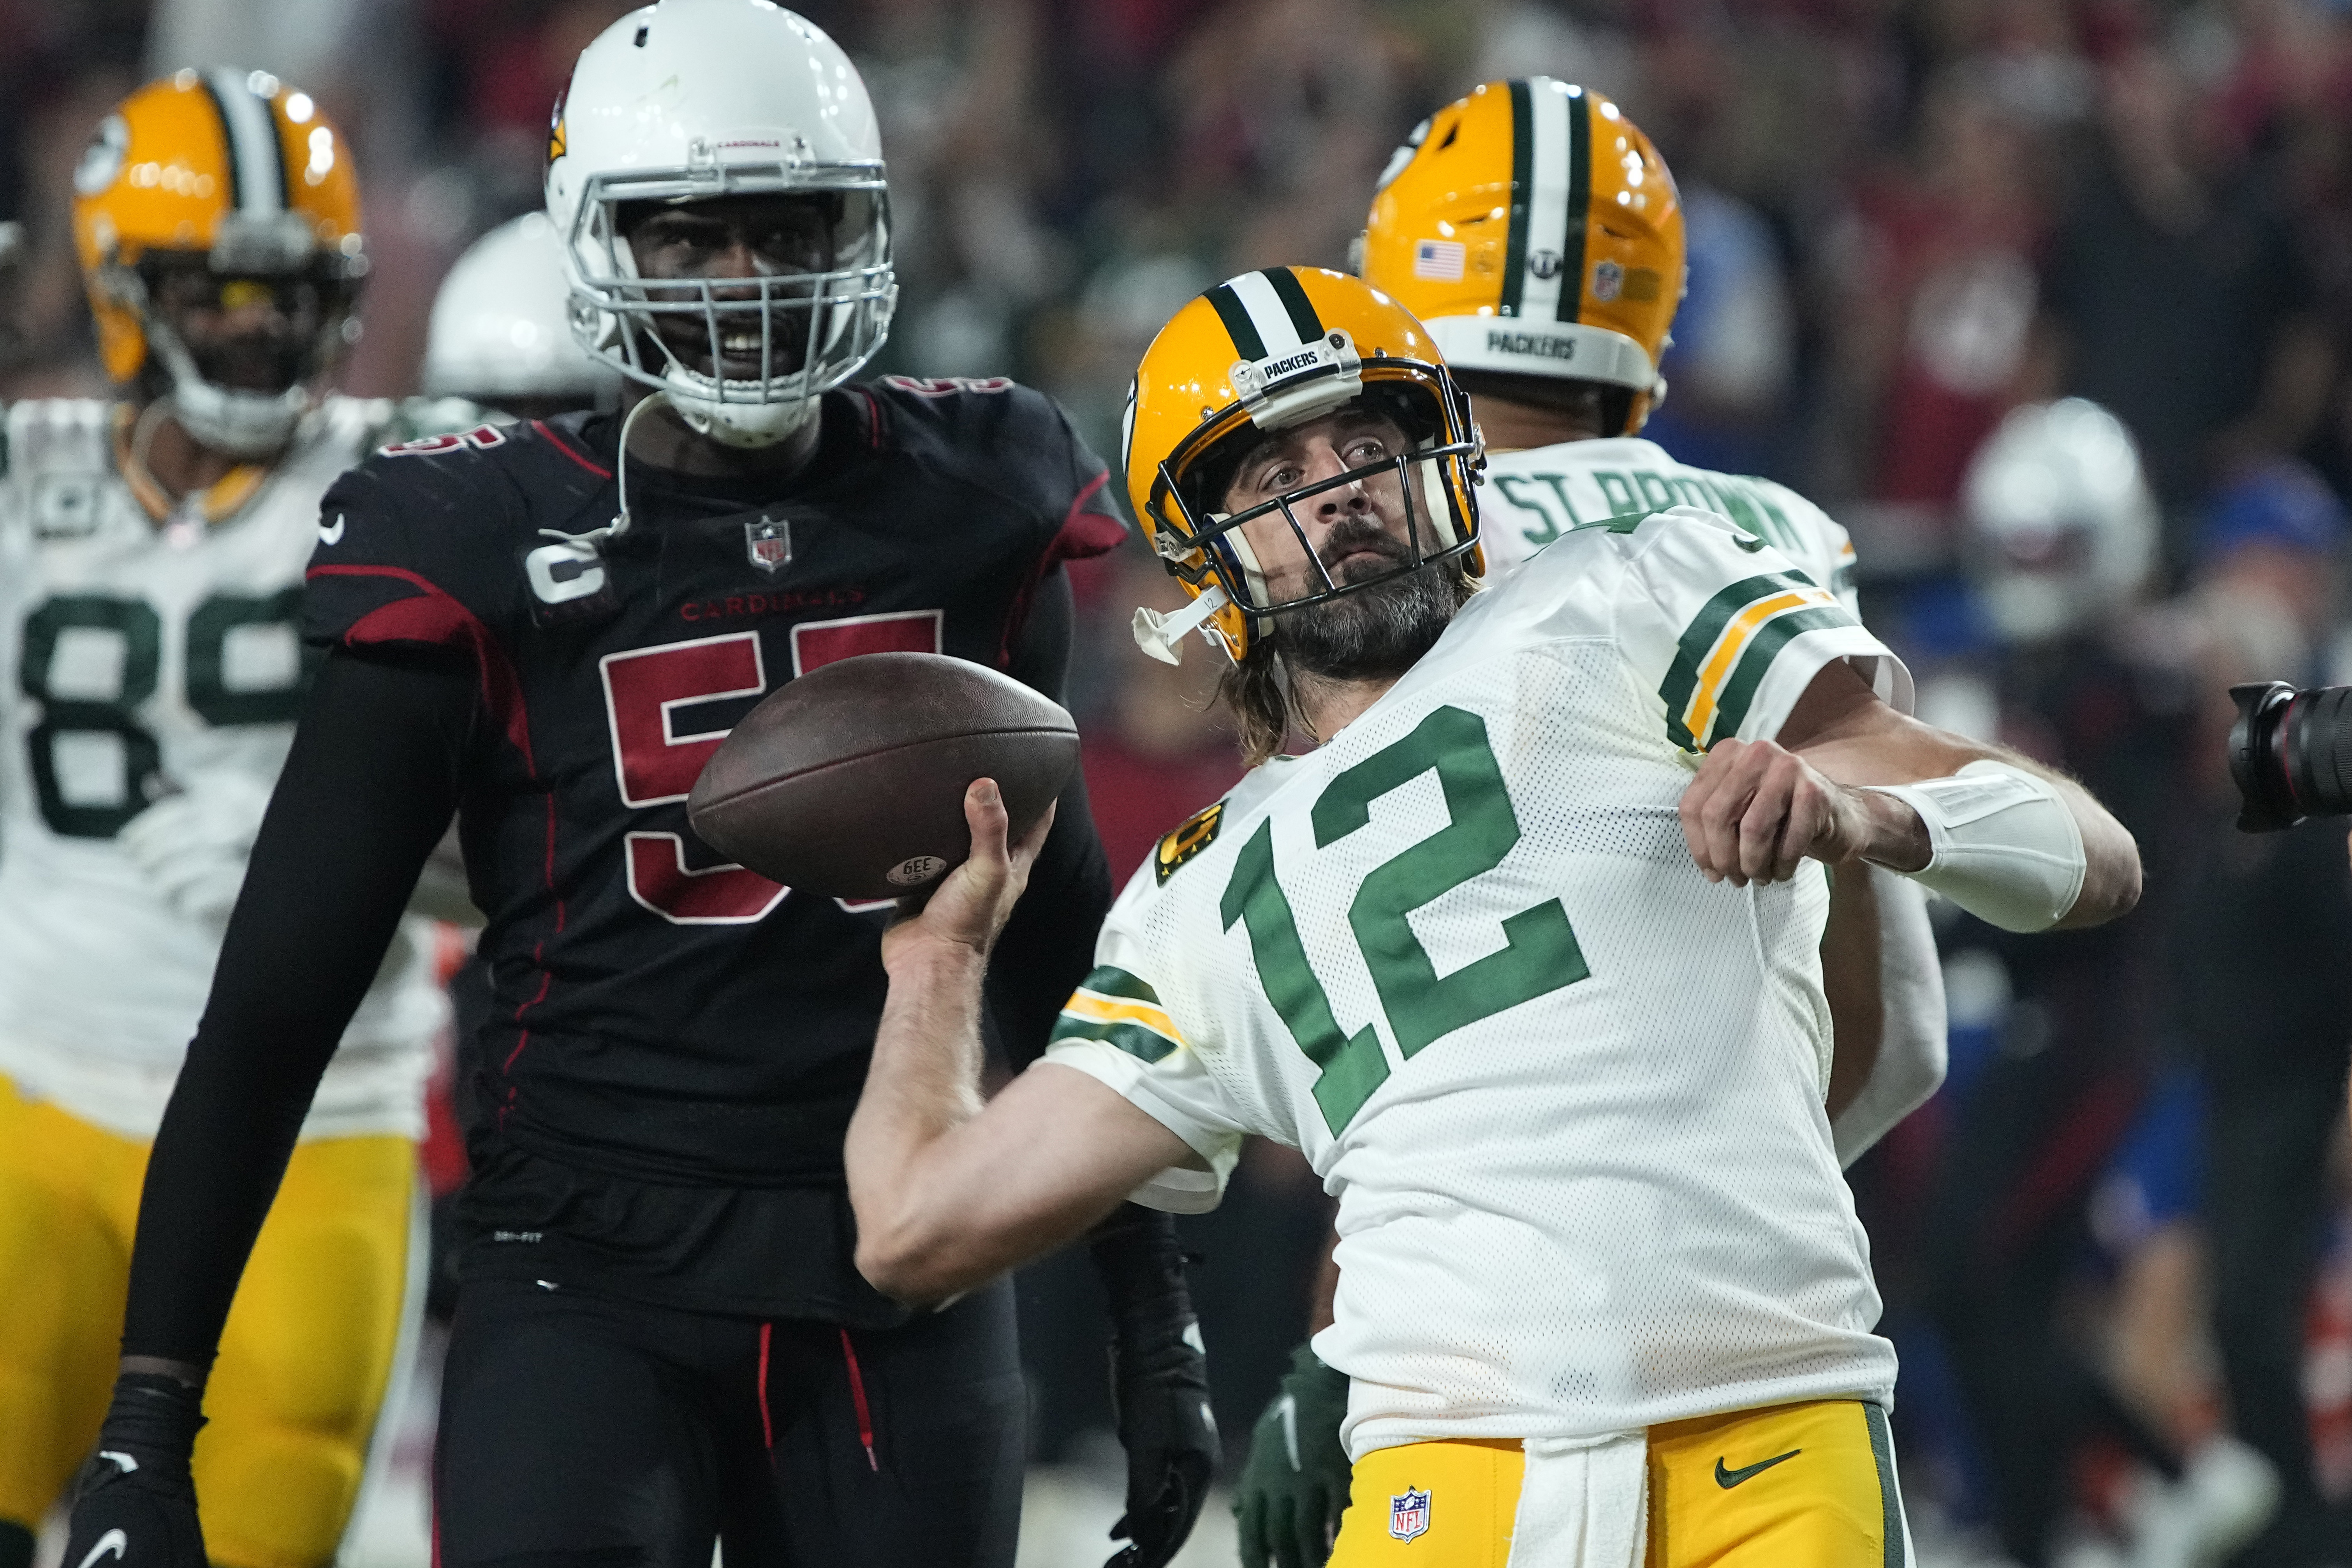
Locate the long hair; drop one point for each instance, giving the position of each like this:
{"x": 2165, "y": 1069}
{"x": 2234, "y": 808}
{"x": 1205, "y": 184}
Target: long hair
{"x": 1257, "y": 689}
{"x": 1259, "y": 700}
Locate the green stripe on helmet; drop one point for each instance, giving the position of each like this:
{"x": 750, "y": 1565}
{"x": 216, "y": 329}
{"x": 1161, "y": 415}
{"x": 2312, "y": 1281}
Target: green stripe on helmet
{"x": 1523, "y": 179}
{"x": 1580, "y": 202}
{"x": 1301, "y": 310}
{"x": 1238, "y": 325}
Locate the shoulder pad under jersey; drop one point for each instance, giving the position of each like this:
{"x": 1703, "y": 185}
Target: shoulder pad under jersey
{"x": 1012, "y": 441}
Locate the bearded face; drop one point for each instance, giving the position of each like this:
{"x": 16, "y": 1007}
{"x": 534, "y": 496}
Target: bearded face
{"x": 1360, "y": 531}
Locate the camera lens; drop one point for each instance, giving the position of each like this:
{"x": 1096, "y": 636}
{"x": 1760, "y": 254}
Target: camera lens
{"x": 2291, "y": 753}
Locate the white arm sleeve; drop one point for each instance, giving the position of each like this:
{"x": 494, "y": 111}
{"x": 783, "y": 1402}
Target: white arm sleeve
{"x": 2004, "y": 845}
{"x": 1911, "y": 1053}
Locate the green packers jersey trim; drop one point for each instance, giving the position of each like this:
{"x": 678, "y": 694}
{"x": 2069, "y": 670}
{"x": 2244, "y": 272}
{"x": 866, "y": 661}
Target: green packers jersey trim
{"x": 1724, "y": 653}
{"x": 1121, "y": 1009}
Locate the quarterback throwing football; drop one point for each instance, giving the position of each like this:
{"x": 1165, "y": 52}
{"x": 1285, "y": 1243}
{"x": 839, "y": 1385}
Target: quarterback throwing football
{"x": 1524, "y": 956}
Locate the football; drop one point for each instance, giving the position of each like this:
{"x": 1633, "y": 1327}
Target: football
{"x": 849, "y": 782}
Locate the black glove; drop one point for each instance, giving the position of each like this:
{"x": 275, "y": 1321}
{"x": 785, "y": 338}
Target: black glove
{"x": 133, "y": 1504}
{"x": 1159, "y": 1385}
{"x": 1293, "y": 1486}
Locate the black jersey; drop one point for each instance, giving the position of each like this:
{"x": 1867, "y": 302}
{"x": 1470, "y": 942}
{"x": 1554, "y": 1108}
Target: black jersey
{"x": 675, "y": 1044}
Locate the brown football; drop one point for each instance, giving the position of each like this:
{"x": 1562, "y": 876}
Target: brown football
{"x": 849, "y": 782}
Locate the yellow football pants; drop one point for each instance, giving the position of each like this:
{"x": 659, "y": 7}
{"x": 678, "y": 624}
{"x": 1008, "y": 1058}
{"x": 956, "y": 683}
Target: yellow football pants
{"x": 1798, "y": 1484}
{"x": 304, "y": 1360}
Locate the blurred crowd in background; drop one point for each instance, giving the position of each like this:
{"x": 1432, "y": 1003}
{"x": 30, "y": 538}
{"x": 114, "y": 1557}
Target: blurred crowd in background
{"x": 2121, "y": 1226}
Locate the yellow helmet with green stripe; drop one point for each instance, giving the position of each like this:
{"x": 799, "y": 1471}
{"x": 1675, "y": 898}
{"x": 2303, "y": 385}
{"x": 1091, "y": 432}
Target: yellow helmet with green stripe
{"x": 1261, "y": 353}
{"x": 1538, "y": 232}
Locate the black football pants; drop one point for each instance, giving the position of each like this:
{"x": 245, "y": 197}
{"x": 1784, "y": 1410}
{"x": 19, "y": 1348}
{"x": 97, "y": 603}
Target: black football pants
{"x": 580, "y": 1431}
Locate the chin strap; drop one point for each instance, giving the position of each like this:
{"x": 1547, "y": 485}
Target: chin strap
{"x": 596, "y": 537}
{"x": 1158, "y": 633}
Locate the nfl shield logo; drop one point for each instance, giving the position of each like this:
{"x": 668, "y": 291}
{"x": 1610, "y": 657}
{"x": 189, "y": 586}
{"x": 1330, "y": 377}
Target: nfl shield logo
{"x": 1409, "y": 1514}
{"x": 768, "y": 541}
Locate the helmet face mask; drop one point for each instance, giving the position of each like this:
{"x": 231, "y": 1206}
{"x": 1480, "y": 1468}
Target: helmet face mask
{"x": 246, "y": 332}
{"x": 1311, "y": 364}
{"x": 1401, "y": 487}
{"x": 723, "y": 109}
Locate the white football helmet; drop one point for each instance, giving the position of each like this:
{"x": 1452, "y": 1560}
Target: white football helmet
{"x": 502, "y": 328}
{"x": 2061, "y": 530}
{"x": 691, "y": 100}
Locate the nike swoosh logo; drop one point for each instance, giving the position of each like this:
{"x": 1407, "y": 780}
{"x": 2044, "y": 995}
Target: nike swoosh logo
{"x": 331, "y": 535}
{"x": 1748, "y": 542}
{"x": 113, "y": 1543}
{"x": 1728, "y": 1479}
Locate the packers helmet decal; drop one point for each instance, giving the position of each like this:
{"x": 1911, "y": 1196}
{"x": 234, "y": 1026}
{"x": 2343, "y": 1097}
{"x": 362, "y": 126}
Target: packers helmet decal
{"x": 1537, "y": 231}
{"x": 1265, "y": 352}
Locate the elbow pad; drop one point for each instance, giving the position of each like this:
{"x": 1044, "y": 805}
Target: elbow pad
{"x": 2005, "y": 847}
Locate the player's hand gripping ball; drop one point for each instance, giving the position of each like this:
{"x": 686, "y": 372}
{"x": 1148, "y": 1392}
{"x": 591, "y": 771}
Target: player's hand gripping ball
{"x": 849, "y": 782}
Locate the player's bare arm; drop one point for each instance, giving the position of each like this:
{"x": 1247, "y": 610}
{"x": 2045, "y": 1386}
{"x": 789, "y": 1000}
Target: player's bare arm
{"x": 1757, "y": 808}
{"x": 948, "y": 1196}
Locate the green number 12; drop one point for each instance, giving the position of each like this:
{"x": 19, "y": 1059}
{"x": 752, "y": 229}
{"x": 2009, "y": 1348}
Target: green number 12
{"x": 1540, "y": 954}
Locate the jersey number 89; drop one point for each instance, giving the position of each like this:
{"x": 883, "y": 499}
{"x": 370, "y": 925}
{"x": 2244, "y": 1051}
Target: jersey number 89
{"x": 69, "y": 718}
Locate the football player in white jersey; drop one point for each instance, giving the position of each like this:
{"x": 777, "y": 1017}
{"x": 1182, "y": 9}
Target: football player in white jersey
{"x": 1523, "y": 956}
{"x": 1559, "y": 355}
{"x": 1537, "y": 234}
{"x": 152, "y": 553}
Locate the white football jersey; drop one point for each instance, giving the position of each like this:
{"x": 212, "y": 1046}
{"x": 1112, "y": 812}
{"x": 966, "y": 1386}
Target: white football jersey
{"x": 136, "y": 660}
{"x": 1533, "y": 496}
{"x": 1567, "y": 1091}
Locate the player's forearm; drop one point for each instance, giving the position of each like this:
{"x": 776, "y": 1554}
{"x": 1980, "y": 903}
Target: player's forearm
{"x": 1850, "y": 975}
{"x": 1867, "y": 747}
{"x": 1909, "y": 1065}
{"x": 923, "y": 1083}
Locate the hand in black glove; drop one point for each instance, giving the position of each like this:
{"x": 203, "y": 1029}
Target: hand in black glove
{"x": 1160, "y": 1385}
{"x": 133, "y": 1503}
{"x": 1293, "y": 1486}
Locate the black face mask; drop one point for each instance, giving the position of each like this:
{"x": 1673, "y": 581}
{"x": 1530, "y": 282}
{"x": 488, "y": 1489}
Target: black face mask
{"x": 282, "y": 351}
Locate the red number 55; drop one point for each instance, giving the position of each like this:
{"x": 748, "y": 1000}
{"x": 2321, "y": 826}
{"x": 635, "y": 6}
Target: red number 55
{"x": 657, "y": 765}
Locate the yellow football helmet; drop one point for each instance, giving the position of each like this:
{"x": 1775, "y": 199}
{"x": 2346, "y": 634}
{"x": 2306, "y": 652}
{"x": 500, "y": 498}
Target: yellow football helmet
{"x": 218, "y": 188}
{"x": 1538, "y": 232}
{"x": 1264, "y": 351}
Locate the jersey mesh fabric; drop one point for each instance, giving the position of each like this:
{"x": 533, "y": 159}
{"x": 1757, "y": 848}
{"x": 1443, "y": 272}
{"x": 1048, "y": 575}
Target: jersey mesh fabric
{"x": 1601, "y": 1193}
{"x": 101, "y": 979}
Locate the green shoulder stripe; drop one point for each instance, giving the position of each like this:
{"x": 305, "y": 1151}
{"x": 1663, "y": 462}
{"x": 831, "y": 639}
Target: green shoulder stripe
{"x": 1691, "y": 651}
{"x": 1109, "y": 980}
{"x": 1761, "y": 650}
{"x": 1133, "y": 1039}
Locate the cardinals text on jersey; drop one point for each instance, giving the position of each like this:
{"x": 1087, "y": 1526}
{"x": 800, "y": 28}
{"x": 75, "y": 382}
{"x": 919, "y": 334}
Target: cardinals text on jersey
{"x": 1569, "y": 1091}
{"x": 139, "y": 661}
